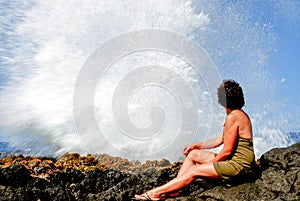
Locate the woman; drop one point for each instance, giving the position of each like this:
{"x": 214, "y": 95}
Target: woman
{"x": 235, "y": 158}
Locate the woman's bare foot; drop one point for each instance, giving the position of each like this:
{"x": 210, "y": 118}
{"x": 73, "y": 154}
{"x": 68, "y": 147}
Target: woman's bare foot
{"x": 148, "y": 196}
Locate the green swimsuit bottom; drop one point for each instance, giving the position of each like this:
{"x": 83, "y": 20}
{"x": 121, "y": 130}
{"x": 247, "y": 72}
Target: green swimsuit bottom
{"x": 242, "y": 160}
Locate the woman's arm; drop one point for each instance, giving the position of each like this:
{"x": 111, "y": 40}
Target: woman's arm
{"x": 208, "y": 144}
{"x": 230, "y": 136}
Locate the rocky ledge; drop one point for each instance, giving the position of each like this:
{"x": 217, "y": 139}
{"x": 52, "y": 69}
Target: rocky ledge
{"x": 103, "y": 177}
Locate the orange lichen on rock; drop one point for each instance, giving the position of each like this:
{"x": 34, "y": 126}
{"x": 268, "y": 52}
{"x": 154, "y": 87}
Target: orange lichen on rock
{"x": 44, "y": 167}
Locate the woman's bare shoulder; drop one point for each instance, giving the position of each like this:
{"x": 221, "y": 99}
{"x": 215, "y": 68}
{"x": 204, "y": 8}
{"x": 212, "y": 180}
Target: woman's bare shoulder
{"x": 235, "y": 115}
{"x": 238, "y": 117}
{"x": 239, "y": 114}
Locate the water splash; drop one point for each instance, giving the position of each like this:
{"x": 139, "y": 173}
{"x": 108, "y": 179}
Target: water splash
{"x": 45, "y": 45}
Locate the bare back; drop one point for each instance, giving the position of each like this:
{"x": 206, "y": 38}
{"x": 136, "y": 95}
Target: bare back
{"x": 244, "y": 124}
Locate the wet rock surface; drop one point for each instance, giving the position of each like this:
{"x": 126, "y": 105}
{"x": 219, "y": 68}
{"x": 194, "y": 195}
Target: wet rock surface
{"x": 103, "y": 177}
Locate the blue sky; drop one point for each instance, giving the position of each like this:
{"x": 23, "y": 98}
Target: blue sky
{"x": 286, "y": 63}
{"x": 283, "y": 64}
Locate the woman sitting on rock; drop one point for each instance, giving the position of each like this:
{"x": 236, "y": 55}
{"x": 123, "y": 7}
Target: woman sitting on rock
{"x": 235, "y": 158}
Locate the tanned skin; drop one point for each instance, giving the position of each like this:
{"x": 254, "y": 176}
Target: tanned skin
{"x": 199, "y": 162}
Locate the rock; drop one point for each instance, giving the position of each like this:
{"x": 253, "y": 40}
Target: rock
{"x": 56, "y": 193}
{"x": 164, "y": 163}
{"x": 66, "y": 177}
{"x": 15, "y": 175}
{"x": 102, "y": 177}
{"x": 282, "y": 158}
{"x": 17, "y": 193}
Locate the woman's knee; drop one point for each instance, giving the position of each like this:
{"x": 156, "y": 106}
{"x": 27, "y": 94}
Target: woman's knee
{"x": 200, "y": 156}
{"x": 194, "y": 155}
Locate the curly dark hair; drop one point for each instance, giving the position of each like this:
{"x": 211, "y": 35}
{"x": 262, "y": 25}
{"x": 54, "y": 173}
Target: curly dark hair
{"x": 230, "y": 95}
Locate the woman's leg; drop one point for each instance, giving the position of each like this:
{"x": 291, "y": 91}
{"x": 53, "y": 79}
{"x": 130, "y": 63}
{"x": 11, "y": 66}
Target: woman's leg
{"x": 196, "y": 156}
{"x": 204, "y": 170}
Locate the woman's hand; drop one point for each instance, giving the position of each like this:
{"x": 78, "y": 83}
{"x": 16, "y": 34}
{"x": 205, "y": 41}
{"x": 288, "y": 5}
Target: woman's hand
{"x": 187, "y": 149}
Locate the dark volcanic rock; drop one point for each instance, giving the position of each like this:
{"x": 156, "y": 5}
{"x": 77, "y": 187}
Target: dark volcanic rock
{"x": 75, "y": 177}
{"x": 15, "y": 175}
